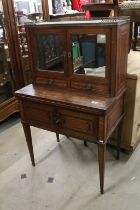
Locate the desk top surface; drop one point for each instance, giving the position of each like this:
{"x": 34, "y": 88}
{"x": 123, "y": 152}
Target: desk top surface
{"x": 99, "y": 21}
{"x": 66, "y": 98}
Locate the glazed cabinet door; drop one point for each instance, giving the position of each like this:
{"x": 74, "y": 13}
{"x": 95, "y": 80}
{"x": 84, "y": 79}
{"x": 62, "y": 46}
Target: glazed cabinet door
{"x": 89, "y": 59}
{"x": 48, "y": 52}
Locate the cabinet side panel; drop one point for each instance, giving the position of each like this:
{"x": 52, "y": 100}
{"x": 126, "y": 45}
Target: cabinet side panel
{"x": 114, "y": 115}
{"x": 122, "y": 55}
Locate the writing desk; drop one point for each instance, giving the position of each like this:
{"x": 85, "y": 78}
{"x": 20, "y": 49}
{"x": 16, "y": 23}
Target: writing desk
{"x": 71, "y": 113}
{"x": 78, "y": 70}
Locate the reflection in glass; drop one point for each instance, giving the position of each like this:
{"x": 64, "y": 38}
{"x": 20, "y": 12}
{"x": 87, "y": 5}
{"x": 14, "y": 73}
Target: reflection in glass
{"x": 6, "y": 88}
{"x": 50, "y": 53}
{"x": 88, "y": 52}
{"x": 26, "y": 11}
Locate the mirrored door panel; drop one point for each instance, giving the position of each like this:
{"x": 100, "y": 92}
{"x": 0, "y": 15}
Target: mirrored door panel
{"x": 50, "y": 52}
{"x": 88, "y": 53}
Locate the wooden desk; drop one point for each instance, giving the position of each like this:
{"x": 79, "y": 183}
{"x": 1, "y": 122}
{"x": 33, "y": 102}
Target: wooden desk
{"x": 86, "y": 117}
{"x": 76, "y": 92}
{"x": 134, "y": 18}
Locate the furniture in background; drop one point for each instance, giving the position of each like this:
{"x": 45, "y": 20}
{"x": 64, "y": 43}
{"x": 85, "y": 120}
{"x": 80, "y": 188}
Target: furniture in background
{"x": 16, "y": 54}
{"x": 8, "y": 104}
{"x": 102, "y": 9}
{"x": 131, "y": 123}
{"x": 72, "y": 94}
{"x": 132, "y": 9}
{"x": 119, "y": 8}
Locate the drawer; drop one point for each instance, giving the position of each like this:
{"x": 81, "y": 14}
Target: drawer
{"x": 95, "y": 88}
{"x": 77, "y": 124}
{"x": 37, "y": 114}
{"x": 51, "y": 82}
{"x": 64, "y": 121}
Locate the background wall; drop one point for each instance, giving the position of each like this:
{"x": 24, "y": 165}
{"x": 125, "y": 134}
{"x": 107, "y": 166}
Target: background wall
{"x": 1, "y": 9}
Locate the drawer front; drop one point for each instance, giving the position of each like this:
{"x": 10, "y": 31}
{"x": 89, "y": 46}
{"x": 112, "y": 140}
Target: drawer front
{"x": 51, "y": 82}
{"x": 76, "y": 124}
{"x": 37, "y": 114}
{"x": 64, "y": 121}
{"x": 95, "y": 88}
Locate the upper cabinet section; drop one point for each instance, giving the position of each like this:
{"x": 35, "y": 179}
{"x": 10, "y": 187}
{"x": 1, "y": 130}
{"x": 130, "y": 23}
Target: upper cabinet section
{"x": 89, "y": 55}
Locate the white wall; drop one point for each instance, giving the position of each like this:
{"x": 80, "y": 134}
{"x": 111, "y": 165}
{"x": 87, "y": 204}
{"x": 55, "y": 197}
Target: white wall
{"x": 50, "y": 6}
{"x": 1, "y": 8}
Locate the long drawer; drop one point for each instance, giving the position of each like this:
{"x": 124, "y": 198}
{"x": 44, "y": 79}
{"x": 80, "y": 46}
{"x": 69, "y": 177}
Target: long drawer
{"x": 77, "y": 124}
{"x": 64, "y": 121}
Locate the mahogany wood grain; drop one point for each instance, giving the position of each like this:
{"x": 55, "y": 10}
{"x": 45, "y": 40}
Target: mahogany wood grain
{"x": 59, "y": 102}
{"x": 27, "y": 131}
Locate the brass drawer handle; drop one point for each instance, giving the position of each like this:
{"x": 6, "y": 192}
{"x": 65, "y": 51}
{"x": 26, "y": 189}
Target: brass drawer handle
{"x": 88, "y": 86}
{"x": 50, "y": 81}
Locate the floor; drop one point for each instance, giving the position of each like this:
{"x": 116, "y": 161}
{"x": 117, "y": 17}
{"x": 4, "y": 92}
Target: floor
{"x": 66, "y": 173}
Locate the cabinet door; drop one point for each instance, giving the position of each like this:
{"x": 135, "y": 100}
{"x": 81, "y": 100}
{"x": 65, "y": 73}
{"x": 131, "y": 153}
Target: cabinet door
{"x": 48, "y": 51}
{"x": 89, "y": 59}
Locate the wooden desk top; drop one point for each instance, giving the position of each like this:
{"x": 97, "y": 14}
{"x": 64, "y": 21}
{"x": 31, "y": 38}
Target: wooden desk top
{"x": 67, "y": 98}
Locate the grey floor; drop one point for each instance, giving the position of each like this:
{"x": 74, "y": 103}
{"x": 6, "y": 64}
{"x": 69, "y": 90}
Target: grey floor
{"x": 66, "y": 174}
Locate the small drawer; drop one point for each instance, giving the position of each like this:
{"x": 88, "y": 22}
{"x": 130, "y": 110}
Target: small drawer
{"x": 87, "y": 86}
{"x": 51, "y": 82}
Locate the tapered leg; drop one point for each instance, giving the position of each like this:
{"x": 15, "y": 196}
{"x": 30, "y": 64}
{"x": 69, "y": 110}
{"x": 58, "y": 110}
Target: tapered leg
{"x": 119, "y": 138}
{"x": 57, "y": 136}
{"x": 28, "y": 136}
{"x": 101, "y": 161}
